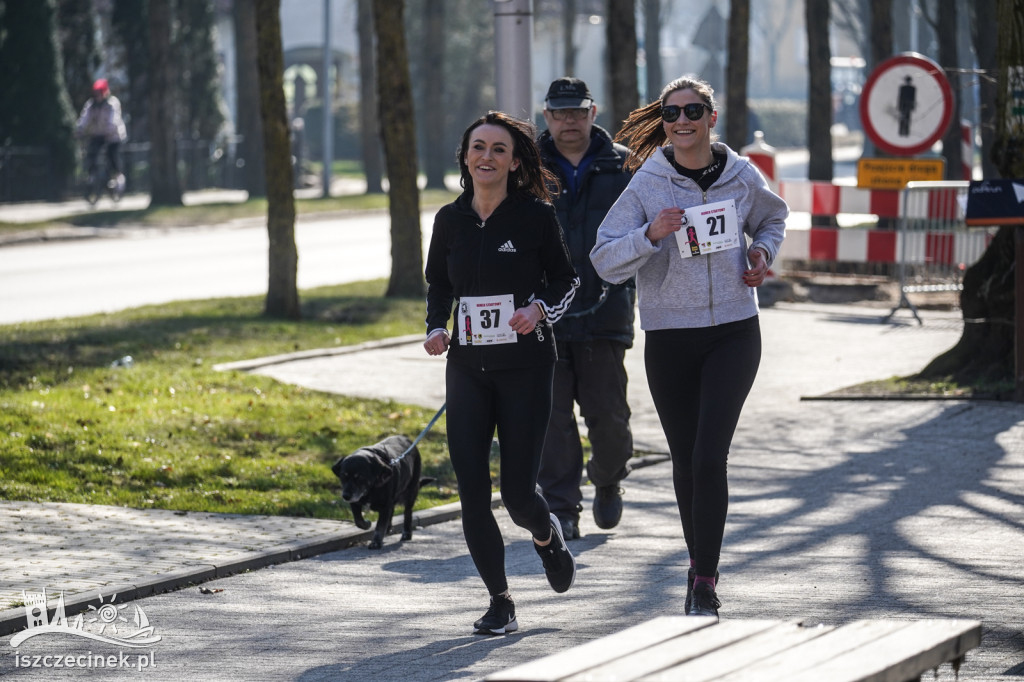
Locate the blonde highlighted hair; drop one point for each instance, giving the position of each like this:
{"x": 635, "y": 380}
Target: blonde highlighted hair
{"x": 643, "y": 132}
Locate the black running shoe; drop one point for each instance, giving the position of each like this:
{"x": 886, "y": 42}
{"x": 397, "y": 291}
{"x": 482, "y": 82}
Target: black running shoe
{"x": 691, "y": 575}
{"x": 499, "y": 619}
{"x": 559, "y": 565}
{"x": 607, "y": 506}
{"x": 705, "y": 602}
{"x": 570, "y": 528}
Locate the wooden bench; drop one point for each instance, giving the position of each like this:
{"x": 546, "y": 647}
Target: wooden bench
{"x": 692, "y": 648}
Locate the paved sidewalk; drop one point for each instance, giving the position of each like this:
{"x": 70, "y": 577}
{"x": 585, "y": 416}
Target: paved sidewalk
{"x": 840, "y": 510}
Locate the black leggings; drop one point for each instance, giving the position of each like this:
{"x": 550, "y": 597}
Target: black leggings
{"x": 699, "y": 379}
{"x": 516, "y": 402}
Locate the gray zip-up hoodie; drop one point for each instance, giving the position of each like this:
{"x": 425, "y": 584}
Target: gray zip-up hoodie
{"x": 700, "y": 291}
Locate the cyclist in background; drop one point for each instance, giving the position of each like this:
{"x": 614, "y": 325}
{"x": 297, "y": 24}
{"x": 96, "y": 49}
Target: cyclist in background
{"x": 101, "y": 125}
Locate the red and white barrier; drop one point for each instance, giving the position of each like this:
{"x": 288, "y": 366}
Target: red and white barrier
{"x": 825, "y": 198}
{"x": 853, "y": 245}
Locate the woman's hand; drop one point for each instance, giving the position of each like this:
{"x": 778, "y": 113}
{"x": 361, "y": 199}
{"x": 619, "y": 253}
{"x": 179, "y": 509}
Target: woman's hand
{"x": 669, "y": 220}
{"x": 754, "y": 277}
{"x": 437, "y": 342}
{"x": 525, "y": 319}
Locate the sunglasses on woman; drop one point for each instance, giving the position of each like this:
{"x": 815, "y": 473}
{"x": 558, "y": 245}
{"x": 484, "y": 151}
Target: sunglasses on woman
{"x": 694, "y": 111}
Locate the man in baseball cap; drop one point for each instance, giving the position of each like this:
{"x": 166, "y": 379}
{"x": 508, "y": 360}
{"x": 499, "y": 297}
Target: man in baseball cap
{"x": 592, "y": 337}
{"x": 568, "y": 93}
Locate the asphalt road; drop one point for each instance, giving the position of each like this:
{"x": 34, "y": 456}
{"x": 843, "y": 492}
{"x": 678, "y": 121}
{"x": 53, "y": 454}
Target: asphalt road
{"x": 45, "y": 280}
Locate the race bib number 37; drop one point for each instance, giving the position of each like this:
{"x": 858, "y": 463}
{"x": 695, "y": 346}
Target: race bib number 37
{"x": 709, "y": 228}
{"x": 484, "y": 320}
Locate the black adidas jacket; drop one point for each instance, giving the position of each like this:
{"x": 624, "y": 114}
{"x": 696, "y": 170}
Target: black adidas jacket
{"x": 518, "y": 250}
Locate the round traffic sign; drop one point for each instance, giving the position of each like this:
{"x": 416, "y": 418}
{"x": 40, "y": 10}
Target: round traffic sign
{"x": 906, "y": 104}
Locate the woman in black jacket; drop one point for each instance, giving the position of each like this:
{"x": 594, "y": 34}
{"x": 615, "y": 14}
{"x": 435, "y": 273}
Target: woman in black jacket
{"x": 497, "y": 253}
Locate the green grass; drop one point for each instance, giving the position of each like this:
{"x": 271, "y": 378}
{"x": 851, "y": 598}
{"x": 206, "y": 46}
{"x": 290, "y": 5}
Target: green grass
{"x": 340, "y": 168}
{"x": 170, "y": 432}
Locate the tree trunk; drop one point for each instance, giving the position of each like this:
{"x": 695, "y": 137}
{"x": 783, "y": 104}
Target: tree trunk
{"x": 1008, "y": 149}
{"x": 129, "y": 21}
{"x": 398, "y": 130}
{"x": 985, "y": 351}
{"x": 201, "y": 82}
{"x": 621, "y": 36}
{"x": 568, "y": 39}
{"x": 34, "y": 104}
{"x": 165, "y": 185}
{"x": 983, "y": 16}
{"x": 881, "y": 49}
{"x": 652, "y": 48}
{"x": 282, "y": 292}
{"x": 78, "y": 44}
{"x": 881, "y": 33}
{"x": 368, "y": 124}
{"x": 736, "y": 69}
{"x": 250, "y": 125}
{"x": 819, "y": 100}
{"x": 949, "y": 59}
{"x": 433, "y": 76}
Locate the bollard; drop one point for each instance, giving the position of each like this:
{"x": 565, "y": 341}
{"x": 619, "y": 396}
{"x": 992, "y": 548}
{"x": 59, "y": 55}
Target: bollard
{"x": 762, "y": 155}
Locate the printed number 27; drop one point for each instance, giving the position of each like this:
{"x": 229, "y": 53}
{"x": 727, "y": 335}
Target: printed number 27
{"x": 489, "y": 318}
{"x": 717, "y": 224}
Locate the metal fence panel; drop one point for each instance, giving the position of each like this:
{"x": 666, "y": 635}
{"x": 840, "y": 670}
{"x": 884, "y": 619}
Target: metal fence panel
{"x": 26, "y": 174}
{"x": 935, "y": 246}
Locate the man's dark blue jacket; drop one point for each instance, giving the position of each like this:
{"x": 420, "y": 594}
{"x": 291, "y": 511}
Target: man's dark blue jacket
{"x": 599, "y": 310}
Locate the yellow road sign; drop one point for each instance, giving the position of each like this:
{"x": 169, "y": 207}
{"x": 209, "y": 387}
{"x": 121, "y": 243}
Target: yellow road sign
{"x": 896, "y": 173}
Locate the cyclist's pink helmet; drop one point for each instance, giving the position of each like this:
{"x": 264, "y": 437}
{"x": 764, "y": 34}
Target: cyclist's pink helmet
{"x": 101, "y": 86}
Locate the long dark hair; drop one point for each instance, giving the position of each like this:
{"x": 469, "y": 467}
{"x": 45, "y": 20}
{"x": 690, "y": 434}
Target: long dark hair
{"x": 642, "y": 130}
{"x": 531, "y": 178}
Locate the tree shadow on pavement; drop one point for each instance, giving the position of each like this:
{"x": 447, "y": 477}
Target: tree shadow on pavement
{"x": 407, "y": 664}
{"x": 854, "y": 517}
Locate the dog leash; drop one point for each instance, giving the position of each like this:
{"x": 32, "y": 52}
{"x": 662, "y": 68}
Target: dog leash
{"x": 422, "y": 433}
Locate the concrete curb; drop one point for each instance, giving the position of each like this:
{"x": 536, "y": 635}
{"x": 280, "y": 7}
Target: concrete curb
{"x": 51, "y": 234}
{"x": 256, "y": 363}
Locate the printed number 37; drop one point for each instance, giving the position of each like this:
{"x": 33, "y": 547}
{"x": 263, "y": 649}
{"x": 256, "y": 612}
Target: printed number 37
{"x": 489, "y": 318}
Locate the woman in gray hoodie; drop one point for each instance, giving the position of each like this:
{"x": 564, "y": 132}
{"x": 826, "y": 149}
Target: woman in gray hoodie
{"x": 698, "y": 228}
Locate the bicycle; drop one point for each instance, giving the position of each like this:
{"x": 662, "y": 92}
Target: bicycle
{"x": 100, "y": 180}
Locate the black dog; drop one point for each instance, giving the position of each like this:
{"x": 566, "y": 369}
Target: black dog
{"x": 379, "y": 477}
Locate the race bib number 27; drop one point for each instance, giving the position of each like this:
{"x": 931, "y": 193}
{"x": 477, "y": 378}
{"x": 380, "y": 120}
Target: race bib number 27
{"x": 484, "y": 320}
{"x": 709, "y": 228}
